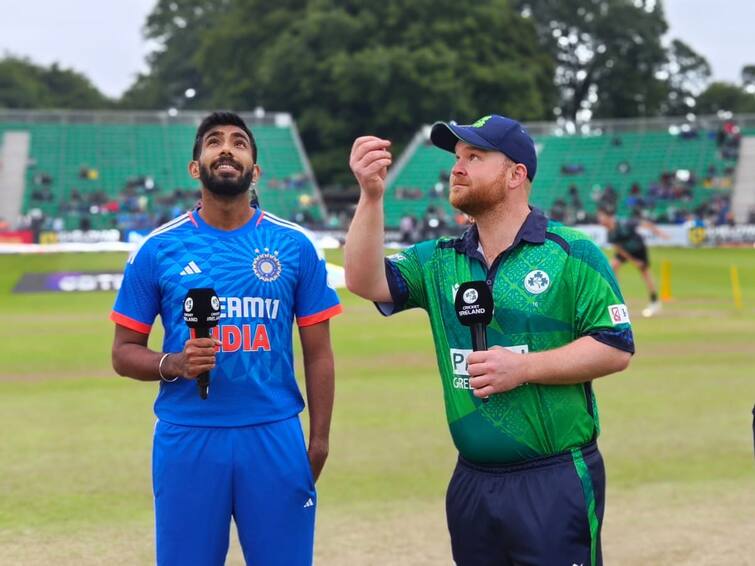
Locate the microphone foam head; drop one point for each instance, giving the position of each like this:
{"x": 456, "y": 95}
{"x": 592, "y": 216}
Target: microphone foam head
{"x": 474, "y": 303}
{"x": 201, "y": 308}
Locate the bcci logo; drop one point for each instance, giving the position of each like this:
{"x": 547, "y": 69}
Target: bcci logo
{"x": 266, "y": 266}
{"x": 537, "y": 281}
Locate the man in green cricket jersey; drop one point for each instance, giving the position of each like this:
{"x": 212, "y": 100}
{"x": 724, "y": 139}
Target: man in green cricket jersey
{"x": 529, "y": 484}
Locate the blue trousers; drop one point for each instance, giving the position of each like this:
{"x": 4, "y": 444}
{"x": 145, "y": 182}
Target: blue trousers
{"x": 543, "y": 512}
{"x": 259, "y": 475}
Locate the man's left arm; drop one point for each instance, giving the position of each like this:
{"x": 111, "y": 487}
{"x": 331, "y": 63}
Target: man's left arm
{"x": 319, "y": 375}
{"x": 498, "y": 370}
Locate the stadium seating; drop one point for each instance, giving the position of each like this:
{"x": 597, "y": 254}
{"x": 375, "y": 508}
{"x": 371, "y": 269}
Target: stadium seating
{"x": 597, "y": 161}
{"x": 89, "y": 157}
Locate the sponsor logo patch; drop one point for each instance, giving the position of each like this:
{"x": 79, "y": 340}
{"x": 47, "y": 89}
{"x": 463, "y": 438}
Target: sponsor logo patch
{"x": 459, "y": 360}
{"x": 619, "y": 314}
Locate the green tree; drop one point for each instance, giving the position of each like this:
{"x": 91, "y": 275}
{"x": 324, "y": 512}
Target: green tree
{"x": 176, "y": 27}
{"x": 727, "y": 97}
{"x": 610, "y": 59}
{"x": 24, "y": 84}
{"x": 685, "y": 75}
{"x": 346, "y": 68}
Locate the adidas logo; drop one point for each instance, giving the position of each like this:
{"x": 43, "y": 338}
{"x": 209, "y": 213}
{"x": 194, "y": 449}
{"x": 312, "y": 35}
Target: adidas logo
{"x": 191, "y": 269}
{"x": 309, "y": 503}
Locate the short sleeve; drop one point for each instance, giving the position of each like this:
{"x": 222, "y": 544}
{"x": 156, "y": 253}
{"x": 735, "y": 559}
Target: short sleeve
{"x": 405, "y": 277}
{"x": 138, "y": 300}
{"x": 316, "y": 300}
{"x": 600, "y": 309}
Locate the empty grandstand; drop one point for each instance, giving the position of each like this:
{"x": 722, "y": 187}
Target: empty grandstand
{"x": 129, "y": 170}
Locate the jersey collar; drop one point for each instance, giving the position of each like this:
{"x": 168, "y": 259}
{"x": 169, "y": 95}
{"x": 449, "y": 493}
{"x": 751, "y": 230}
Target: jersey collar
{"x": 250, "y": 224}
{"x": 532, "y": 231}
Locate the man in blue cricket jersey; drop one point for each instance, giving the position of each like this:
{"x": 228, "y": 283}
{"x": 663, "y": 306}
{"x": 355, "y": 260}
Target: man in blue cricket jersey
{"x": 241, "y": 452}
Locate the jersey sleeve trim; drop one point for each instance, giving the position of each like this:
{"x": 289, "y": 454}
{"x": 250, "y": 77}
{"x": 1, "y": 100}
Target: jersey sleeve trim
{"x": 130, "y": 323}
{"x": 398, "y": 288}
{"x": 619, "y": 339}
{"x": 396, "y": 285}
{"x": 321, "y": 316}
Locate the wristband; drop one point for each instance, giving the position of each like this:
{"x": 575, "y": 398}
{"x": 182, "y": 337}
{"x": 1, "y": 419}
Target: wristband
{"x": 160, "y": 370}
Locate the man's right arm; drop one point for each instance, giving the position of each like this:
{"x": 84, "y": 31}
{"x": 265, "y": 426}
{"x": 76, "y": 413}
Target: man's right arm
{"x": 363, "y": 253}
{"x": 132, "y": 358}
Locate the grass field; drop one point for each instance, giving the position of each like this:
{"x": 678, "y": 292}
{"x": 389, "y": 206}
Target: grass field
{"x": 677, "y": 437}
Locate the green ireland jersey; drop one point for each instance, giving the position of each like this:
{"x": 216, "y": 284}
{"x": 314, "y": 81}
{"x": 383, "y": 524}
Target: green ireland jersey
{"x": 552, "y": 286}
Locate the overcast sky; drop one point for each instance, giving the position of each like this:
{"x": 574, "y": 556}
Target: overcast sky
{"x": 103, "y": 39}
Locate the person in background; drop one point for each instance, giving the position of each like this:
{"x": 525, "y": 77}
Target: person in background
{"x": 629, "y": 246}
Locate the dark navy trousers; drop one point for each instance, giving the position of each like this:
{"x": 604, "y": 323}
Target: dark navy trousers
{"x": 543, "y": 512}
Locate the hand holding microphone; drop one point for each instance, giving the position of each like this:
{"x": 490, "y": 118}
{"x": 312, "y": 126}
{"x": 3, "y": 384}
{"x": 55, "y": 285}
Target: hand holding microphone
{"x": 474, "y": 308}
{"x": 201, "y": 313}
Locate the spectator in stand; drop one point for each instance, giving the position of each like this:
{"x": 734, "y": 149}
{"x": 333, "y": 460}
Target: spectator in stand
{"x": 41, "y": 194}
{"x": 634, "y": 200}
{"x": 572, "y": 169}
{"x": 438, "y": 190}
{"x": 575, "y": 212}
{"x": 606, "y": 197}
{"x": 441, "y": 186}
{"x": 558, "y": 210}
{"x": 728, "y": 140}
{"x": 409, "y": 193}
{"x": 434, "y": 223}
{"x": 407, "y": 227}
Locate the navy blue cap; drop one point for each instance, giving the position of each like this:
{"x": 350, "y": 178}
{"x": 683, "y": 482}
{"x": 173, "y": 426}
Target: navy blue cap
{"x": 494, "y": 133}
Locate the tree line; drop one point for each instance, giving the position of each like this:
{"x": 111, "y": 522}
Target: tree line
{"x": 347, "y": 67}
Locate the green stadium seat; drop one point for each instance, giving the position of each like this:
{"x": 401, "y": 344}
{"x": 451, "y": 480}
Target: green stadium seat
{"x": 648, "y": 155}
{"x": 119, "y": 152}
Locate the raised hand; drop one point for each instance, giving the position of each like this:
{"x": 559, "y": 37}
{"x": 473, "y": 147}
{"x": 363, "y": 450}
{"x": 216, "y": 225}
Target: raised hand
{"x": 369, "y": 161}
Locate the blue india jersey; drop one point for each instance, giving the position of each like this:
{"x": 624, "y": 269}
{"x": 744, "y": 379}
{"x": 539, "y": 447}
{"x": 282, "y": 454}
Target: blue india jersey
{"x": 266, "y": 273}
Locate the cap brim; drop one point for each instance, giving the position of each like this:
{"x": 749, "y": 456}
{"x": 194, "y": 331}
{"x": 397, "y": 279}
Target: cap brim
{"x": 446, "y": 136}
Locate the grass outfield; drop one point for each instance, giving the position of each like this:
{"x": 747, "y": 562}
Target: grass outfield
{"x": 677, "y": 438}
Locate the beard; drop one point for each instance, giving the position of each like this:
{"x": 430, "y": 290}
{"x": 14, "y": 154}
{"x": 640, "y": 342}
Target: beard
{"x": 225, "y": 186}
{"x": 476, "y": 201}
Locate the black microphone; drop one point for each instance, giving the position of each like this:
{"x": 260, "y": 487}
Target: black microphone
{"x": 201, "y": 313}
{"x": 474, "y": 308}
